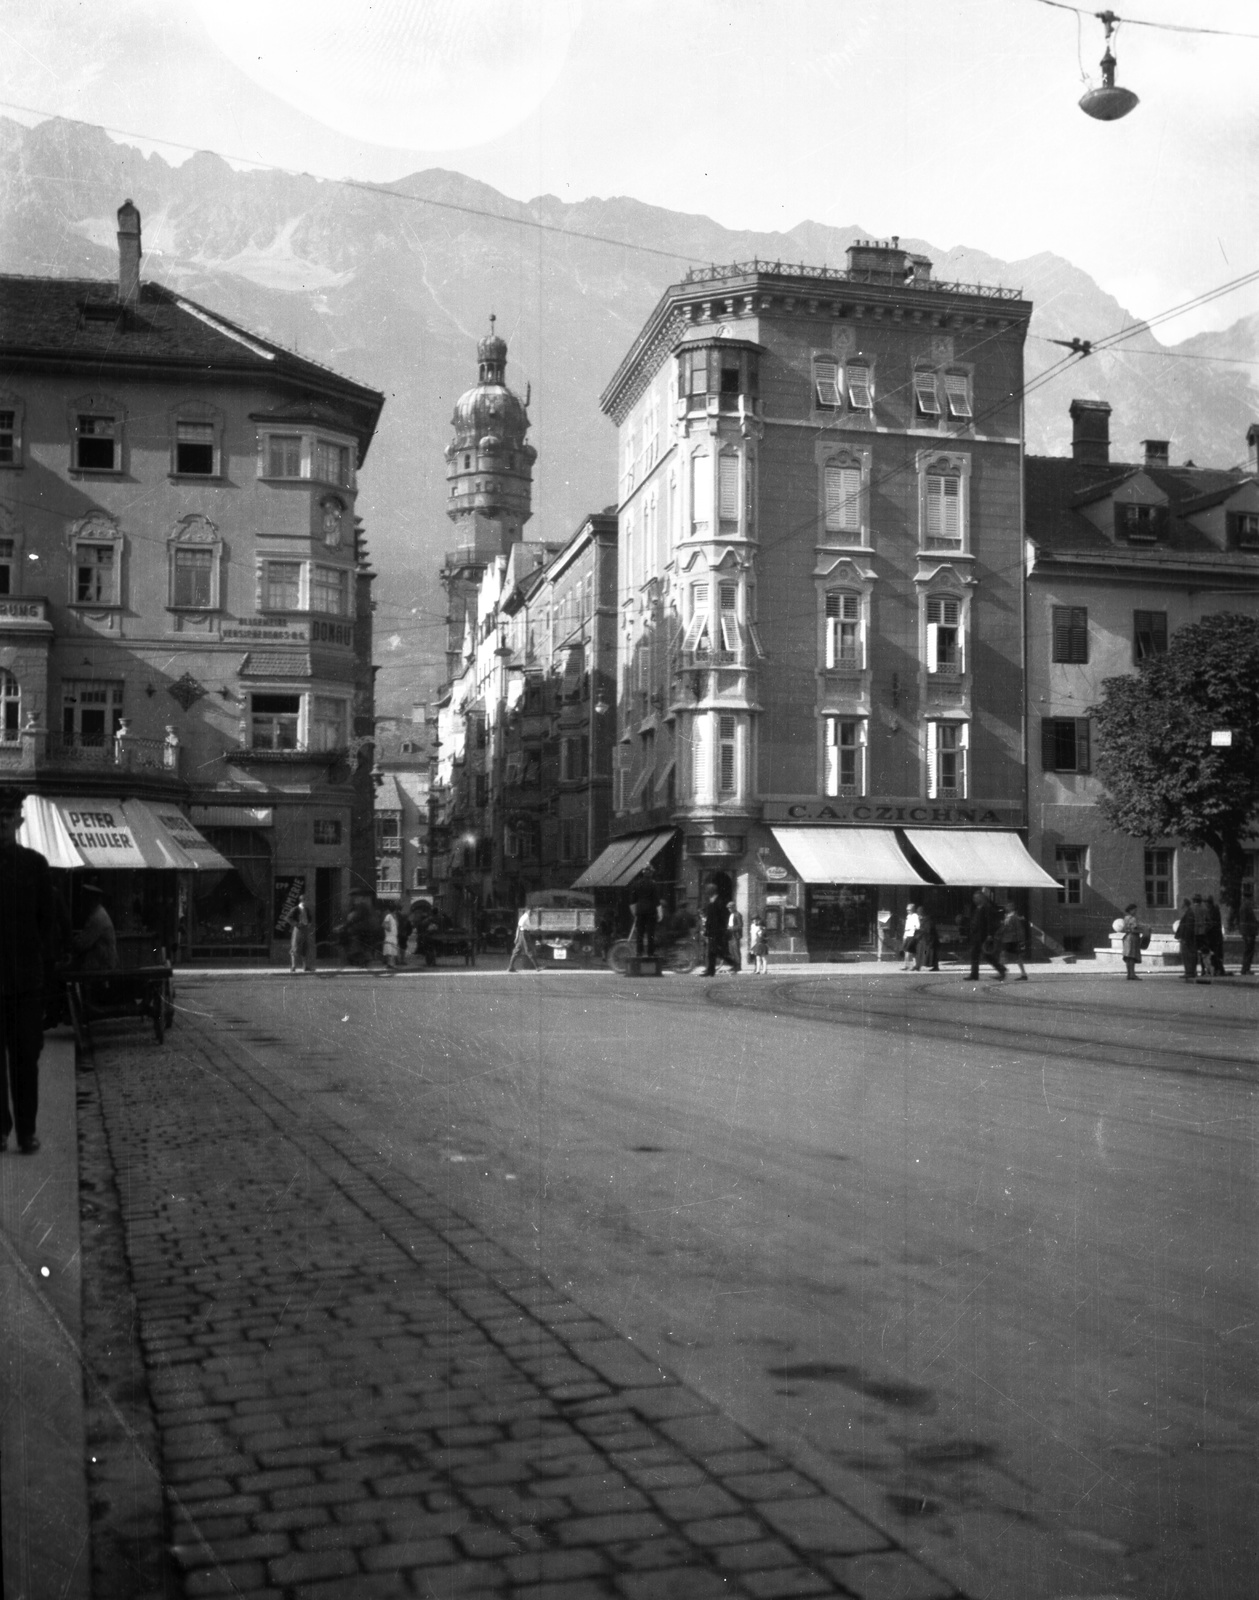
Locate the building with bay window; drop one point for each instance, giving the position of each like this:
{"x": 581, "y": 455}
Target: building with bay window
{"x": 184, "y": 588}
{"x": 820, "y": 625}
{"x": 1119, "y": 556}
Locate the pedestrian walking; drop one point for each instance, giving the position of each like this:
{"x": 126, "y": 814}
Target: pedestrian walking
{"x": 301, "y": 937}
{"x": 985, "y": 934}
{"x": 1013, "y": 941}
{"x": 521, "y": 946}
{"x": 27, "y": 953}
{"x": 1215, "y": 938}
{"x": 758, "y": 946}
{"x": 1186, "y": 932}
{"x": 1247, "y": 926}
{"x": 909, "y": 937}
{"x": 389, "y": 941}
{"x": 734, "y": 938}
{"x": 1132, "y": 935}
{"x": 716, "y": 932}
{"x": 927, "y": 949}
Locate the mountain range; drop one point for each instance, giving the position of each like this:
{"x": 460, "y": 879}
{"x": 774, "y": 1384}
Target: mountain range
{"x": 394, "y": 285}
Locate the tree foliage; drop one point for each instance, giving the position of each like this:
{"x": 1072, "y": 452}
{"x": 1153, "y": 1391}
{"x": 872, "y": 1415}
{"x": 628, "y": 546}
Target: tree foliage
{"x": 1161, "y": 775}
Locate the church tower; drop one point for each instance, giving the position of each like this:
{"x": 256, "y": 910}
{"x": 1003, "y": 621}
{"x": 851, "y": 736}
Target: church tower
{"x": 489, "y": 473}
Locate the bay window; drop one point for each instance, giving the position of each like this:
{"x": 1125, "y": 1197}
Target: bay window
{"x": 329, "y": 590}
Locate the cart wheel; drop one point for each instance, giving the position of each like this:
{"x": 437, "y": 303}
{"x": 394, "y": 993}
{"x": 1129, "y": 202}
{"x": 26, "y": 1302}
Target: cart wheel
{"x": 682, "y": 960}
{"x": 620, "y": 956}
{"x": 78, "y": 1021}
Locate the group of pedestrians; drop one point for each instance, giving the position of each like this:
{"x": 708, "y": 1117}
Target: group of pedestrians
{"x": 998, "y": 935}
{"x": 1199, "y": 932}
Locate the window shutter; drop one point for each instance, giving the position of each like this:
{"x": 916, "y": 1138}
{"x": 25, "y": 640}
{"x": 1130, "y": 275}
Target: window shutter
{"x": 728, "y": 486}
{"x": 933, "y": 752}
{"x": 925, "y": 391}
{"x": 701, "y": 491}
{"x": 1049, "y": 744}
{"x": 859, "y": 396}
{"x": 957, "y": 392}
{"x": 843, "y": 499}
{"x": 1082, "y": 753}
{"x": 826, "y": 383}
{"x": 952, "y": 507}
{"x": 933, "y": 647}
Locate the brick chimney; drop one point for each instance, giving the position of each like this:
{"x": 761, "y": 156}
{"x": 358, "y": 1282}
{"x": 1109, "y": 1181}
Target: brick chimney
{"x": 1090, "y": 432}
{"x": 1156, "y": 452}
{"x": 128, "y": 253}
{"x": 1252, "y": 449}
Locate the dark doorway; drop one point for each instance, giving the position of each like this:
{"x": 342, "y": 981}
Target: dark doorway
{"x": 327, "y": 904}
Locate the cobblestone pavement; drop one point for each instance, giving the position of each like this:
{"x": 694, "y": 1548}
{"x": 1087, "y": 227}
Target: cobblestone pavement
{"x": 357, "y": 1393}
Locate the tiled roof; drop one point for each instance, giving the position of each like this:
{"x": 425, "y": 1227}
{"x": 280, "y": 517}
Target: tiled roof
{"x": 275, "y": 664}
{"x": 80, "y": 319}
{"x": 1056, "y": 486}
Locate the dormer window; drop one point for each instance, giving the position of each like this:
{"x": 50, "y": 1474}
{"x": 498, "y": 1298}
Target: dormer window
{"x": 720, "y": 371}
{"x": 1143, "y": 524}
{"x": 1243, "y": 528}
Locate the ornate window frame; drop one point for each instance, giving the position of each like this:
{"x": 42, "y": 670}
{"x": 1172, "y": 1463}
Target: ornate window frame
{"x": 947, "y": 466}
{"x": 829, "y": 456}
{"x": 96, "y": 531}
{"x": 198, "y": 533}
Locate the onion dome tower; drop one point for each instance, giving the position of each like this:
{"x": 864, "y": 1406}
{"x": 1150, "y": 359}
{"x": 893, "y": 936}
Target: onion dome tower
{"x": 489, "y": 476}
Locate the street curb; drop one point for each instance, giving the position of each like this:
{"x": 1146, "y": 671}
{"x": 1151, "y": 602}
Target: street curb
{"x": 43, "y": 1492}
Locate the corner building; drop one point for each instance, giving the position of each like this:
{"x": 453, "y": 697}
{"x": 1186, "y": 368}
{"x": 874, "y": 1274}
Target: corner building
{"x": 820, "y": 600}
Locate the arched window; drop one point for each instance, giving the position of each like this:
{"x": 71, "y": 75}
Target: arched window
{"x": 10, "y": 708}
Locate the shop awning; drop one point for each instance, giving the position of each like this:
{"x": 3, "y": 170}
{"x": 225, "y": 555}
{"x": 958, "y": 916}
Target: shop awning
{"x": 976, "y": 859}
{"x": 846, "y": 855}
{"x": 73, "y": 832}
{"x": 623, "y": 860}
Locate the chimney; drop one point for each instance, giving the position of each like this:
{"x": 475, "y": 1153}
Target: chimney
{"x": 1156, "y": 452}
{"x": 1252, "y": 449}
{"x": 1090, "y": 432}
{"x": 128, "y": 253}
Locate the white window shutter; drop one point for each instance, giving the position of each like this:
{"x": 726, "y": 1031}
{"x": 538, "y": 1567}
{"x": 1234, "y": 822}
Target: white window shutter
{"x": 933, "y": 647}
{"x": 859, "y": 396}
{"x": 933, "y": 729}
{"x": 701, "y": 490}
{"x": 952, "y": 497}
{"x": 728, "y": 486}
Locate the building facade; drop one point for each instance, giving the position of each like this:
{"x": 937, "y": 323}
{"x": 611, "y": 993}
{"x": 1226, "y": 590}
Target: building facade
{"x": 1120, "y": 555}
{"x": 184, "y": 587}
{"x": 820, "y": 632}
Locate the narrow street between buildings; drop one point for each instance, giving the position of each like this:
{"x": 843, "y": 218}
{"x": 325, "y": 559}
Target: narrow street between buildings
{"x": 567, "y": 1286}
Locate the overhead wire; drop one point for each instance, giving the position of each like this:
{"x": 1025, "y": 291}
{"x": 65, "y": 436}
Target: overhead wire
{"x": 1140, "y": 22}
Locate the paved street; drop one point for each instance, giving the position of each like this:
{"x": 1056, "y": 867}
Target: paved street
{"x": 869, "y": 1285}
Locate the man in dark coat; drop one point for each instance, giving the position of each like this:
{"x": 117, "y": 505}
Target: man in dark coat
{"x": 985, "y": 936}
{"x": 645, "y": 900}
{"x": 716, "y": 932}
{"x": 1247, "y": 926}
{"x": 27, "y": 952}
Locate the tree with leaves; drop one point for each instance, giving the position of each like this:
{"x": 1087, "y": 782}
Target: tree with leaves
{"x": 1162, "y": 776}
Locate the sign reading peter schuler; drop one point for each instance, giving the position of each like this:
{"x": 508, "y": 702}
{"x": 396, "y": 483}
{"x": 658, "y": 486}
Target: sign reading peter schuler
{"x": 898, "y": 812}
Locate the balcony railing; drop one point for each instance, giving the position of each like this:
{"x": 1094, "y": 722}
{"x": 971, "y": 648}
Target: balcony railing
{"x": 36, "y": 750}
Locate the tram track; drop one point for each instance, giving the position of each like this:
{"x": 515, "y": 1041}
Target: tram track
{"x": 1001, "y": 1018}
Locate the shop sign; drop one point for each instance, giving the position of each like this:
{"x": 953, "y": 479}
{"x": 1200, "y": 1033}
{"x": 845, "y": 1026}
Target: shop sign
{"x": 288, "y": 891}
{"x": 261, "y": 630}
{"x": 776, "y": 874}
{"x": 714, "y": 844}
{"x": 906, "y": 813}
{"x": 21, "y": 611}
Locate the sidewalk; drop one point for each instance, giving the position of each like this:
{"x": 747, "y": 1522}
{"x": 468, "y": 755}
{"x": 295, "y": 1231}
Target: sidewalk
{"x": 43, "y": 1500}
{"x": 359, "y": 1393}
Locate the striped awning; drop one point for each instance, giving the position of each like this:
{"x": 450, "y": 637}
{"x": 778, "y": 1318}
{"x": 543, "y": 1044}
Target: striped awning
{"x": 846, "y": 855}
{"x": 73, "y": 832}
{"x": 622, "y": 861}
{"x": 977, "y": 858}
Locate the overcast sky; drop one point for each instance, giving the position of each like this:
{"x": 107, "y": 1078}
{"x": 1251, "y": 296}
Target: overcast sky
{"x": 953, "y": 121}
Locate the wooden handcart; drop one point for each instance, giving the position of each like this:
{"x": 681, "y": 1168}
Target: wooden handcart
{"x": 144, "y": 994}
